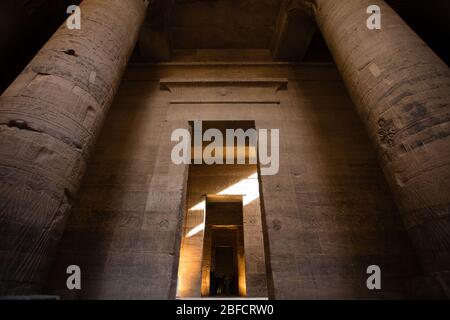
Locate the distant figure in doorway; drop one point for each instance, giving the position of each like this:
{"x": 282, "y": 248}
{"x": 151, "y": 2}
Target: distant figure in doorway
{"x": 220, "y": 285}
{"x": 231, "y": 285}
{"x": 223, "y": 285}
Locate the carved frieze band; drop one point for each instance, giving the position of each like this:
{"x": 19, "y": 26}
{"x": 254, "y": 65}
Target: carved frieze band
{"x": 224, "y": 91}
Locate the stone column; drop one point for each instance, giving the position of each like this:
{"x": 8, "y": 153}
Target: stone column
{"x": 49, "y": 120}
{"x": 401, "y": 90}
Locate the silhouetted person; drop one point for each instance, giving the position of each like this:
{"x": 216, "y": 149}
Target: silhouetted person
{"x": 231, "y": 285}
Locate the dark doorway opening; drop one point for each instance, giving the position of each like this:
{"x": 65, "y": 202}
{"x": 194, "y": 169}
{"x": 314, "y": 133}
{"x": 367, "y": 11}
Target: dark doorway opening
{"x": 224, "y": 273}
{"x": 223, "y": 269}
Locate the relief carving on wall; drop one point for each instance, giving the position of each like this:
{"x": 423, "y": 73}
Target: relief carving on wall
{"x": 386, "y": 132}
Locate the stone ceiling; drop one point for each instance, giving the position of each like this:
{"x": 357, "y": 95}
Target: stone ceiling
{"x": 238, "y": 29}
{"x": 180, "y": 30}
{"x": 253, "y": 30}
{"x": 223, "y": 24}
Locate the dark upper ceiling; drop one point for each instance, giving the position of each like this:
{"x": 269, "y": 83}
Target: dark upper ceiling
{"x": 25, "y": 26}
{"x": 189, "y": 29}
{"x": 223, "y": 24}
{"x": 261, "y": 30}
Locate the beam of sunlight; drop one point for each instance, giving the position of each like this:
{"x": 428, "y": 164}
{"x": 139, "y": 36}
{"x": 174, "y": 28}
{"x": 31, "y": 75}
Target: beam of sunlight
{"x": 199, "y": 206}
{"x": 196, "y": 230}
{"x": 248, "y": 188}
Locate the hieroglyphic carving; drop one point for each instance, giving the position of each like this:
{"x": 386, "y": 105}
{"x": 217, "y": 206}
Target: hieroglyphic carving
{"x": 386, "y": 132}
{"x": 49, "y": 120}
{"x": 399, "y": 97}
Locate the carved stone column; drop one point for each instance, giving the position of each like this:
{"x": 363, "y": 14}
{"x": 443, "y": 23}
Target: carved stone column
{"x": 401, "y": 90}
{"x": 49, "y": 120}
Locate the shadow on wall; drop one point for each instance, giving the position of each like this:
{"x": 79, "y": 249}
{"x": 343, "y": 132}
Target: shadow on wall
{"x": 345, "y": 218}
{"x": 107, "y": 231}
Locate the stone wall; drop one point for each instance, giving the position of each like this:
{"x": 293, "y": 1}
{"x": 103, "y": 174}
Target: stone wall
{"x": 327, "y": 215}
